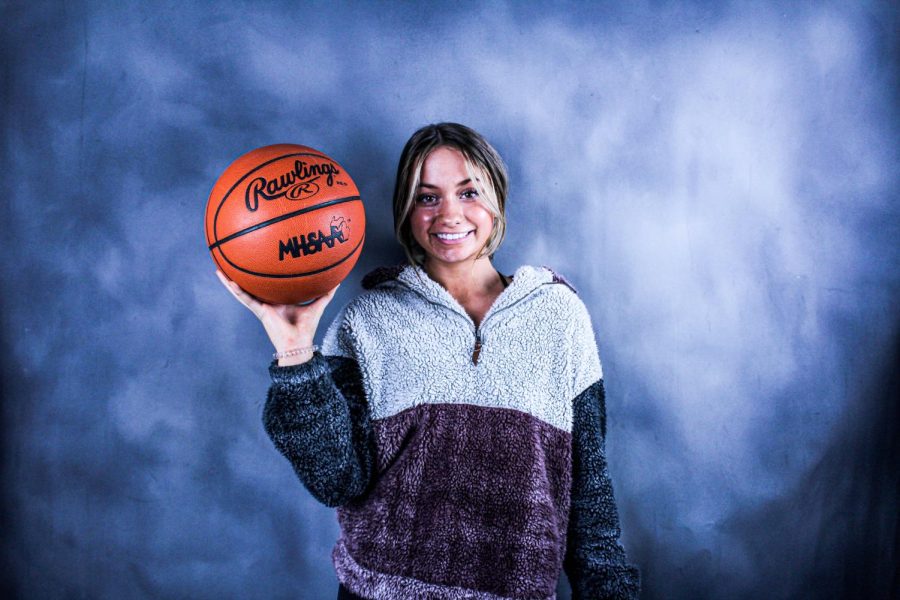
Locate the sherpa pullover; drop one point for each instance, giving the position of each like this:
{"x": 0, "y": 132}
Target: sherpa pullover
{"x": 458, "y": 474}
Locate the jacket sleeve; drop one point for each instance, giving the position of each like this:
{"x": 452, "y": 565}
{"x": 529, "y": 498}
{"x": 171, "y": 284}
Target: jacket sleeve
{"x": 317, "y": 416}
{"x": 595, "y": 561}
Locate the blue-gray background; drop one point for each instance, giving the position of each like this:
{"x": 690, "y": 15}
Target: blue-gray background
{"x": 719, "y": 180}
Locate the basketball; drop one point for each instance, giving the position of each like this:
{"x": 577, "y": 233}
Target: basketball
{"x": 286, "y": 223}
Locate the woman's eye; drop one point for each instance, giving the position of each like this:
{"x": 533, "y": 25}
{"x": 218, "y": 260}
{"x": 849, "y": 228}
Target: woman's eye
{"x": 469, "y": 194}
{"x": 426, "y": 199}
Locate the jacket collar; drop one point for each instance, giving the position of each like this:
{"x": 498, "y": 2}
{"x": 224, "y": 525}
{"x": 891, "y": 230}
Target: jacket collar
{"x": 526, "y": 280}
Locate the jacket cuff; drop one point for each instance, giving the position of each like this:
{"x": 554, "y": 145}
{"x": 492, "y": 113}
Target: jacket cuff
{"x": 619, "y": 582}
{"x": 293, "y": 375}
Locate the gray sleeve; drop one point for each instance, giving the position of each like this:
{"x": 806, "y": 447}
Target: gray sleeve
{"x": 317, "y": 417}
{"x": 595, "y": 561}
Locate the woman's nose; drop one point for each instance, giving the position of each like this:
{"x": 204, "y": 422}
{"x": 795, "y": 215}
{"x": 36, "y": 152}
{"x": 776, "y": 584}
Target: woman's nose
{"x": 450, "y": 212}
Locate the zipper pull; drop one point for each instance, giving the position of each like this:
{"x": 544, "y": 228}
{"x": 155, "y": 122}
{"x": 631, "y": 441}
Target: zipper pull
{"x": 477, "y": 349}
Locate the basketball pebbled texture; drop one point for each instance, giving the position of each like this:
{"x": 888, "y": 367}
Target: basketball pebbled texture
{"x": 285, "y": 222}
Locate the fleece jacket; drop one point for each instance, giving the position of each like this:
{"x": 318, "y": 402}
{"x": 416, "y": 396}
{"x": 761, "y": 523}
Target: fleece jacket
{"x": 464, "y": 461}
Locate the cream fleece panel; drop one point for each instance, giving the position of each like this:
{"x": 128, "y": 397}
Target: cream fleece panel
{"x": 414, "y": 343}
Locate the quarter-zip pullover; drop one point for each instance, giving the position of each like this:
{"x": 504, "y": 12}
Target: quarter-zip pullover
{"x": 458, "y": 478}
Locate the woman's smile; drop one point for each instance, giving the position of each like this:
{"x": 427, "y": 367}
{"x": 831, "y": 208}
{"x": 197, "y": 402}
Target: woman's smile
{"x": 453, "y": 238}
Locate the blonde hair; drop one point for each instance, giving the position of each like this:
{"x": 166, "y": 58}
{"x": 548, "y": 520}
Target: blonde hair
{"x": 483, "y": 164}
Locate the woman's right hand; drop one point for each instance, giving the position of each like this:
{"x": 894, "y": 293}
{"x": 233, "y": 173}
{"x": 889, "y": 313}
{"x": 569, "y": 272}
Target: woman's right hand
{"x": 288, "y": 325}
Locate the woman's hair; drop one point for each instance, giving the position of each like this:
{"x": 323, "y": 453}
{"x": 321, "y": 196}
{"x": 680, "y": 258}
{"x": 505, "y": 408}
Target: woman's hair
{"x": 485, "y": 169}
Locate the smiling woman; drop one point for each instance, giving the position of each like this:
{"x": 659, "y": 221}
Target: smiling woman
{"x": 453, "y": 160}
{"x": 455, "y": 416}
{"x": 448, "y": 222}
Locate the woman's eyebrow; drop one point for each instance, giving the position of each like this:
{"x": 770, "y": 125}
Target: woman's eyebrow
{"x": 434, "y": 187}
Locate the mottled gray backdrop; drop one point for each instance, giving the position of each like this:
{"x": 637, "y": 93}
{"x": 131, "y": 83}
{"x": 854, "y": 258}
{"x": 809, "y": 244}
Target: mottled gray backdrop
{"x": 719, "y": 180}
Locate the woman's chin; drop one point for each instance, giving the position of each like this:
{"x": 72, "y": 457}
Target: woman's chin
{"x": 448, "y": 259}
{"x": 453, "y": 257}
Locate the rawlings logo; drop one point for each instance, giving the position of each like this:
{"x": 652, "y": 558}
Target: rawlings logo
{"x": 297, "y": 184}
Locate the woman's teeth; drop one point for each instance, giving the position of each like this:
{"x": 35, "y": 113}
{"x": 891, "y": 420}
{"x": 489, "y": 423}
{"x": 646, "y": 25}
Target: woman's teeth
{"x": 452, "y": 236}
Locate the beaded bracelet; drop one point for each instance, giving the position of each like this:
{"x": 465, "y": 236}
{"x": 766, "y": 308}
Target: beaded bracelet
{"x": 294, "y": 352}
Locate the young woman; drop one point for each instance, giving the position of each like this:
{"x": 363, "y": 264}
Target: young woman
{"x": 455, "y": 415}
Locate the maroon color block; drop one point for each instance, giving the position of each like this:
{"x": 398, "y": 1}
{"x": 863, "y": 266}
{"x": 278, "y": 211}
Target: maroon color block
{"x": 466, "y": 496}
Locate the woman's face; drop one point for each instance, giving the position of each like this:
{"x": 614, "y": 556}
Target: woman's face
{"x": 448, "y": 219}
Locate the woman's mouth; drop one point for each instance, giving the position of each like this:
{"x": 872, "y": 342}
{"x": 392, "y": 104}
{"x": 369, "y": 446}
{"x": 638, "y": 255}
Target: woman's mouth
{"x": 452, "y": 238}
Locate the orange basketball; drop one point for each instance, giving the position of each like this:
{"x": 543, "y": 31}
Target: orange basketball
{"x": 285, "y": 222}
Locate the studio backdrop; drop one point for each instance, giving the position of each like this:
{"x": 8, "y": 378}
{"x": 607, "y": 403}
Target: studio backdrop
{"x": 719, "y": 181}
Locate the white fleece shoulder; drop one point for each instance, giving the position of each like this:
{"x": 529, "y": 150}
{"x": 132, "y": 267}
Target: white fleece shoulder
{"x": 584, "y": 363}
{"x": 336, "y": 341}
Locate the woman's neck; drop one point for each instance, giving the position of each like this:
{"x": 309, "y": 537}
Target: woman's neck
{"x": 466, "y": 279}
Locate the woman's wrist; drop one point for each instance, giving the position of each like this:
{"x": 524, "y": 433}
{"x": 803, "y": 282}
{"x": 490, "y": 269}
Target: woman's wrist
{"x": 294, "y": 360}
{"x": 298, "y": 350}
{"x": 295, "y": 355}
